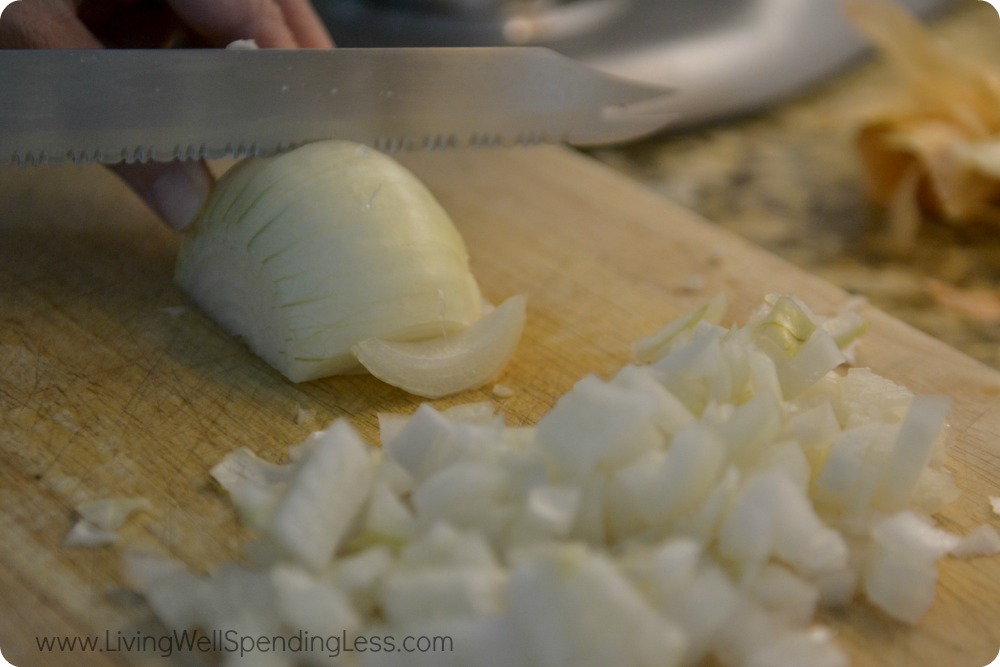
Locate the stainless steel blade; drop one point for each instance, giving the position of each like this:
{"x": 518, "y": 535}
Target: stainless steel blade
{"x": 137, "y": 105}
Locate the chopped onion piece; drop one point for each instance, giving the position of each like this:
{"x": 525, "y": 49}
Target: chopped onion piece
{"x": 99, "y": 519}
{"x": 254, "y": 485}
{"x": 85, "y": 534}
{"x": 900, "y": 574}
{"x": 912, "y": 451}
{"x": 983, "y": 541}
{"x": 451, "y": 363}
{"x": 111, "y": 513}
{"x": 170, "y": 589}
{"x": 303, "y": 602}
{"x": 242, "y": 44}
{"x": 787, "y": 325}
{"x": 648, "y": 350}
{"x": 328, "y": 488}
{"x": 597, "y": 424}
{"x": 502, "y": 391}
{"x": 575, "y": 608}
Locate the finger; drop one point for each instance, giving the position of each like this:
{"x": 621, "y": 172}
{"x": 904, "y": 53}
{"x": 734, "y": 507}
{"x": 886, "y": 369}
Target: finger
{"x": 44, "y": 24}
{"x": 263, "y": 21}
{"x": 175, "y": 191}
{"x": 305, "y": 24}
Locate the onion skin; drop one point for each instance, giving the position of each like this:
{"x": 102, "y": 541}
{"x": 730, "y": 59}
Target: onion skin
{"x": 929, "y": 149}
{"x": 305, "y": 254}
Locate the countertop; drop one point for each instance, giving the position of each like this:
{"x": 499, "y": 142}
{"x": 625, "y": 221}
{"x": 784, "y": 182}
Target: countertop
{"x": 789, "y": 179}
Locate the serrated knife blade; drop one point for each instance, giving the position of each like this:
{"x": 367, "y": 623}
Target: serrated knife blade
{"x": 112, "y": 106}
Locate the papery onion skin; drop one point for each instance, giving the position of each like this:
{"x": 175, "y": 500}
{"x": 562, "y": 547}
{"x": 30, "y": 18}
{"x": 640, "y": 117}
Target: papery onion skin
{"x": 307, "y": 253}
{"x": 931, "y": 150}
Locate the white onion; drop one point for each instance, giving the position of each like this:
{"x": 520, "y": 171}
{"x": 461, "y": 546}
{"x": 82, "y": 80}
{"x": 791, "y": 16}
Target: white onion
{"x": 302, "y": 601}
{"x": 575, "y": 608}
{"x": 171, "y": 590}
{"x": 450, "y": 363}
{"x": 982, "y": 541}
{"x": 99, "y": 519}
{"x": 85, "y": 534}
{"x": 911, "y": 452}
{"x": 646, "y": 350}
{"x": 900, "y": 571}
{"x": 308, "y": 253}
{"x": 253, "y": 484}
{"x": 111, "y": 513}
{"x": 700, "y": 506}
{"x": 335, "y": 474}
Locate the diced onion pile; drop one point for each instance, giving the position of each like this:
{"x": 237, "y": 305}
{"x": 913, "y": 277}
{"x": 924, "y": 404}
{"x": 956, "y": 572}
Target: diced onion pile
{"x": 705, "y": 501}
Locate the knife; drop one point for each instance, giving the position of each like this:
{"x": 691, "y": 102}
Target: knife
{"x": 109, "y": 106}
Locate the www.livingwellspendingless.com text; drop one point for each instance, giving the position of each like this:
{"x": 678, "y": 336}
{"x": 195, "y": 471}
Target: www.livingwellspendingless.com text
{"x": 241, "y": 643}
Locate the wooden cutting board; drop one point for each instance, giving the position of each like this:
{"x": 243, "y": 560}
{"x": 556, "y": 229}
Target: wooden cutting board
{"x": 112, "y": 384}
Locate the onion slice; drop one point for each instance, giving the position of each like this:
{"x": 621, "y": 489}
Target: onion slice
{"x": 451, "y": 363}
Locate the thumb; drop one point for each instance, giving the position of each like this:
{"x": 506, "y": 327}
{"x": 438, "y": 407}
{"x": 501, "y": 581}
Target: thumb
{"x": 175, "y": 191}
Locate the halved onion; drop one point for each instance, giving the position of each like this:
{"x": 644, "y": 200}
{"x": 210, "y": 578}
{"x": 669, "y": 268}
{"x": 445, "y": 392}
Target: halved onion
{"x": 308, "y": 253}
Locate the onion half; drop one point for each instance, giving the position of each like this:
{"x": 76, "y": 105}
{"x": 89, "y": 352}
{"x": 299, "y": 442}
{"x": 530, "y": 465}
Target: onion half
{"x": 306, "y": 254}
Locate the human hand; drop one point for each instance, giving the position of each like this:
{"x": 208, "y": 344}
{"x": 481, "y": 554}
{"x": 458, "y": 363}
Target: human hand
{"x": 175, "y": 191}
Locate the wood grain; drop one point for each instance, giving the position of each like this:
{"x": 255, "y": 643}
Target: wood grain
{"x": 112, "y": 383}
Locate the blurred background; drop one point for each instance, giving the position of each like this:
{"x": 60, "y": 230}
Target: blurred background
{"x": 770, "y": 93}
{"x": 722, "y": 56}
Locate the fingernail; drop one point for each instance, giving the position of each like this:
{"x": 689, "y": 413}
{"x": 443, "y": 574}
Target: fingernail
{"x": 178, "y": 194}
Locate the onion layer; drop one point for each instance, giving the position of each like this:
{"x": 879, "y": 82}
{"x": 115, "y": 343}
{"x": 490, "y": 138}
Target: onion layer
{"x": 451, "y": 363}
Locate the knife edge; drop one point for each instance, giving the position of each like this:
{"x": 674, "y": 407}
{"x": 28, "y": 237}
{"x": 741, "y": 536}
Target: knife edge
{"x": 112, "y": 106}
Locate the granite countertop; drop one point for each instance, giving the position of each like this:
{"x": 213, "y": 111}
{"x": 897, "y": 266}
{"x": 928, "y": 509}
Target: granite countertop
{"x": 789, "y": 179}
